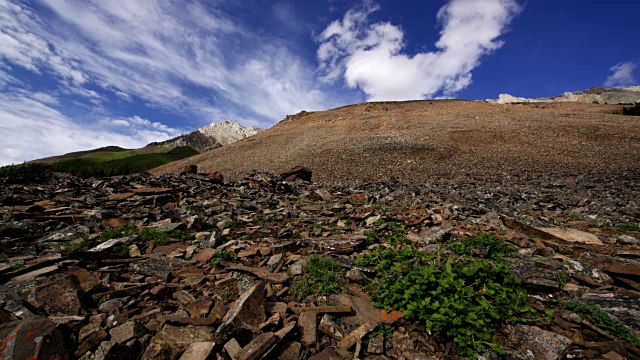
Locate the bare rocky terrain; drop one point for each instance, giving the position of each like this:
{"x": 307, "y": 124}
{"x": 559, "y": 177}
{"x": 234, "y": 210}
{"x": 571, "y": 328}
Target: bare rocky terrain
{"x": 189, "y": 266}
{"x": 420, "y": 140}
{"x": 415, "y": 230}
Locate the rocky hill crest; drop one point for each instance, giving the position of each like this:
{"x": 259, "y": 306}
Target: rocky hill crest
{"x": 597, "y": 95}
{"x": 211, "y": 136}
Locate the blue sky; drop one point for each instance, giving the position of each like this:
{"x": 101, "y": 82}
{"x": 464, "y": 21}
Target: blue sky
{"x": 80, "y": 74}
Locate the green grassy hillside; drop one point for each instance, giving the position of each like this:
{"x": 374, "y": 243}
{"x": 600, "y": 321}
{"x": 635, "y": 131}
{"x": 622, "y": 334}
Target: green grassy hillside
{"x": 112, "y": 163}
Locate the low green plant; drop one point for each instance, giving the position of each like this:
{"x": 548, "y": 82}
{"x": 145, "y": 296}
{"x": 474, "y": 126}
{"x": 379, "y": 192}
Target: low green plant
{"x": 121, "y": 249}
{"x": 398, "y": 233}
{"x": 147, "y": 234}
{"x": 549, "y": 314}
{"x": 163, "y": 237}
{"x": 222, "y": 255}
{"x": 382, "y": 208}
{"x": 386, "y": 330}
{"x": 628, "y": 226}
{"x": 17, "y": 264}
{"x": 114, "y": 233}
{"x": 82, "y": 245}
{"x": 561, "y": 278}
{"x": 231, "y": 224}
{"x": 602, "y": 320}
{"x": 320, "y": 277}
{"x": 372, "y": 236}
{"x": 465, "y": 298}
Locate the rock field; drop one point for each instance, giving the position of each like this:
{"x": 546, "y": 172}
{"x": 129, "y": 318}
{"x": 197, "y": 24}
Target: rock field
{"x": 188, "y": 266}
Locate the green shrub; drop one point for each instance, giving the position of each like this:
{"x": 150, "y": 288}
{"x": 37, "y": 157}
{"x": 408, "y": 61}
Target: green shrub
{"x": 465, "y": 298}
{"x": 223, "y": 255}
{"x": 320, "y": 277}
{"x": 602, "y": 320}
{"x": 147, "y": 234}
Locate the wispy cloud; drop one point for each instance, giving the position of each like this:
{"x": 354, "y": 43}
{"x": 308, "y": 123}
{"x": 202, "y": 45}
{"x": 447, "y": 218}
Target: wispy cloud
{"x": 180, "y": 57}
{"x": 30, "y": 128}
{"x": 371, "y": 57}
{"x": 622, "y": 75}
{"x": 159, "y": 51}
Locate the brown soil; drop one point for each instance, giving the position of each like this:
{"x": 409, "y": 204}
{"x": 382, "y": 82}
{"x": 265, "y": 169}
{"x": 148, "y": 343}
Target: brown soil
{"x": 418, "y": 140}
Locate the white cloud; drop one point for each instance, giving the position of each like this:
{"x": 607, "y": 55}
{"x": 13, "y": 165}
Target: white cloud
{"x": 159, "y": 51}
{"x": 622, "y": 75}
{"x": 370, "y": 56}
{"x": 31, "y": 129}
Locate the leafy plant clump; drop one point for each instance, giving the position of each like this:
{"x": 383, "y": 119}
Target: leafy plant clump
{"x": 159, "y": 236}
{"x": 320, "y": 277}
{"x": 465, "y": 298}
{"x": 223, "y": 255}
{"x": 602, "y": 320}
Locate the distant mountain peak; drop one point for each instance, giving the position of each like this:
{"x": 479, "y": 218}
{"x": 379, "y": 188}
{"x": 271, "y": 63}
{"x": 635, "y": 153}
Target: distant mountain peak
{"x": 594, "y": 94}
{"x": 212, "y": 136}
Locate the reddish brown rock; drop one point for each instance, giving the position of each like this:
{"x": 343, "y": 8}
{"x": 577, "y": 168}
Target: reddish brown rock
{"x": 173, "y": 341}
{"x": 199, "y": 351}
{"x": 199, "y": 308}
{"x": 308, "y": 326}
{"x": 190, "y": 169}
{"x": 297, "y": 172}
{"x": 216, "y": 176}
{"x": 87, "y": 280}
{"x": 246, "y": 313}
{"x": 57, "y": 296}
{"x": 257, "y": 347}
{"x": 204, "y": 255}
{"x": 126, "y": 332}
{"x": 32, "y": 338}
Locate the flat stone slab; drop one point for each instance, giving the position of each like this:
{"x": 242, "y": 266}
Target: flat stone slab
{"x": 573, "y": 235}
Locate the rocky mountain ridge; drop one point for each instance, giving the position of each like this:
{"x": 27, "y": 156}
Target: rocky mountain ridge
{"x": 421, "y": 140}
{"x": 594, "y": 94}
{"x": 211, "y": 136}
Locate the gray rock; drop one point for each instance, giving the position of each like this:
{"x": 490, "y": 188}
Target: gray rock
{"x": 111, "y": 305}
{"x": 308, "y": 324}
{"x": 329, "y": 327}
{"x": 543, "y": 344}
{"x": 199, "y": 351}
{"x": 233, "y": 348}
{"x": 213, "y": 241}
{"x": 158, "y": 267}
{"x": 274, "y": 261}
{"x": 174, "y": 340}
{"x": 355, "y": 275}
{"x": 376, "y": 344}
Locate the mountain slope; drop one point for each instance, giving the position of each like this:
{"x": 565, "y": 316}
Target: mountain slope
{"x": 211, "y": 136}
{"x": 418, "y": 140}
{"x": 594, "y": 94}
